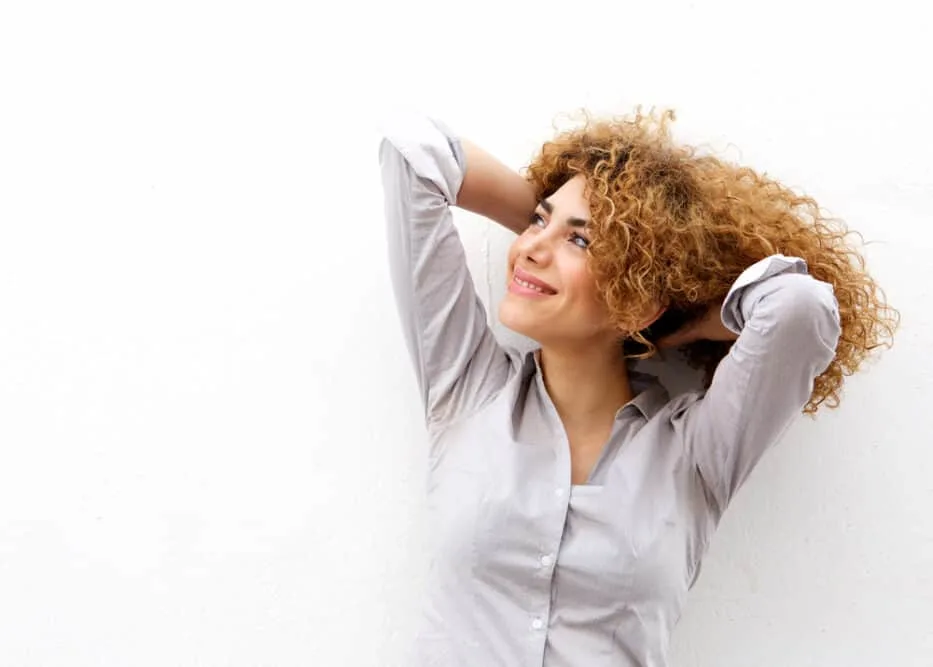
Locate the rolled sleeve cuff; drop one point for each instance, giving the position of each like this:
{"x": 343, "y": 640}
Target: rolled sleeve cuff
{"x": 733, "y": 315}
{"x": 431, "y": 148}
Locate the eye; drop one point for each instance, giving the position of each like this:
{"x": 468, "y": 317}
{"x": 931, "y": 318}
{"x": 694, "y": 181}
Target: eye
{"x": 579, "y": 241}
{"x": 537, "y": 220}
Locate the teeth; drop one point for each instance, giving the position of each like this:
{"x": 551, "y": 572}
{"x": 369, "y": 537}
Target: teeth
{"x": 528, "y": 285}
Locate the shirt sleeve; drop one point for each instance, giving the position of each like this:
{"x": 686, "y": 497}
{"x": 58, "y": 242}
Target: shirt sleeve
{"x": 788, "y": 327}
{"x": 458, "y": 363}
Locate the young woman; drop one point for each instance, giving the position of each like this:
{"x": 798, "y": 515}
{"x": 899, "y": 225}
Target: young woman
{"x": 571, "y": 499}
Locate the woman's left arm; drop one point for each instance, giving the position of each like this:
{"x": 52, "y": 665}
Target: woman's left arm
{"x": 786, "y": 326}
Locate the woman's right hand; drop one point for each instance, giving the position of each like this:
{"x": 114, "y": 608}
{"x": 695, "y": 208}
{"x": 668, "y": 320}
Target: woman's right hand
{"x": 708, "y": 326}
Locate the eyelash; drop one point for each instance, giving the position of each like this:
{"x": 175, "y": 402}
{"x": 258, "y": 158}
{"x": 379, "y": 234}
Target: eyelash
{"x": 536, "y": 218}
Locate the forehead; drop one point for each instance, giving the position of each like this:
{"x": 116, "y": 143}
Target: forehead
{"x": 571, "y": 200}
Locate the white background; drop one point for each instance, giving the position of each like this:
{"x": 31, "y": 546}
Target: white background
{"x": 210, "y": 446}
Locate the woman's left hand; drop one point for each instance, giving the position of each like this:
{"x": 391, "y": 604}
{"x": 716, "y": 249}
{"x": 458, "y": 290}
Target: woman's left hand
{"x": 707, "y": 327}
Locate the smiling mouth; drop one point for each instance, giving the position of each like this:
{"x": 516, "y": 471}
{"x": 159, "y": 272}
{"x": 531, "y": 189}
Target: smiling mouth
{"x": 528, "y": 285}
{"x": 523, "y": 283}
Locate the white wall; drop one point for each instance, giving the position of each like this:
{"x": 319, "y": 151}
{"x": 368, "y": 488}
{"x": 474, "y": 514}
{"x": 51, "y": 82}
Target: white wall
{"x": 210, "y": 447}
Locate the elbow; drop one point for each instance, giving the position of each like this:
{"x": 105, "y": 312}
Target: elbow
{"x": 389, "y": 155}
{"x": 418, "y": 147}
{"x": 808, "y": 314}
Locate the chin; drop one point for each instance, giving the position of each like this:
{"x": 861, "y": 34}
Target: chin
{"x": 515, "y": 317}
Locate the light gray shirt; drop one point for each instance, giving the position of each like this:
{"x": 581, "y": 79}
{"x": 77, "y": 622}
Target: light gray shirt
{"x": 527, "y": 569}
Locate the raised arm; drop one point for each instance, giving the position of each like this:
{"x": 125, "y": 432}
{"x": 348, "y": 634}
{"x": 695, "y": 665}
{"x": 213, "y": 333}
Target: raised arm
{"x": 425, "y": 170}
{"x": 492, "y": 189}
{"x": 788, "y": 326}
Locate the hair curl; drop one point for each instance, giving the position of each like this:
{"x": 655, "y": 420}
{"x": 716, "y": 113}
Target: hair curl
{"x": 673, "y": 226}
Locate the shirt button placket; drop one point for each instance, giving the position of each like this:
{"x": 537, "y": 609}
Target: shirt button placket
{"x": 545, "y": 561}
{"x": 546, "y": 566}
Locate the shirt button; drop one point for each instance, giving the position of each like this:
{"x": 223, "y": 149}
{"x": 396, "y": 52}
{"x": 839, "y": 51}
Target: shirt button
{"x": 559, "y": 493}
{"x": 546, "y": 560}
{"x": 537, "y": 624}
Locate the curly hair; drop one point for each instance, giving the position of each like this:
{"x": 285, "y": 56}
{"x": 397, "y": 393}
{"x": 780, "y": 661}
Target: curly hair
{"x": 674, "y": 226}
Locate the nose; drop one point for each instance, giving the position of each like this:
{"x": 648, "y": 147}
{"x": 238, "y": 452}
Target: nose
{"x": 537, "y": 248}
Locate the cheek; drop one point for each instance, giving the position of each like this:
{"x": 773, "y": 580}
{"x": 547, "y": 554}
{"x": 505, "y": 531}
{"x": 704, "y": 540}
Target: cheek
{"x": 586, "y": 296}
{"x": 582, "y": 284}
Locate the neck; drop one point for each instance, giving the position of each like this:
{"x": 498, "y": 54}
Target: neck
{"x": 586, "y": 386}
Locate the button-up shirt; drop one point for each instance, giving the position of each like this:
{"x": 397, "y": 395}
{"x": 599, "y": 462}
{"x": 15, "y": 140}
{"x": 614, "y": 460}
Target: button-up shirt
{"x": 526, "y": 568}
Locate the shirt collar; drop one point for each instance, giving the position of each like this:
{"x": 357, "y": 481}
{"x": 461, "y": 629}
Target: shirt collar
{"x": 650, "y": 394}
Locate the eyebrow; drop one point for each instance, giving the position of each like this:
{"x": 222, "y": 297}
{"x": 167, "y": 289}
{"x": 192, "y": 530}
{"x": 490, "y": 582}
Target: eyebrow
{"x": 572, "y": 221}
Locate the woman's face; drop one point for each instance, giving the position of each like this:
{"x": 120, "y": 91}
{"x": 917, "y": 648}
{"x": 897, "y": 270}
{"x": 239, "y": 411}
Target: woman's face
{"x": 552, "y": 296}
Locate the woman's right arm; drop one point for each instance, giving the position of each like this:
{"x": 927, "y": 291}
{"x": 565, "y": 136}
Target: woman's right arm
{"x": 425, "y": 170}
{"x": 493, "y": 190}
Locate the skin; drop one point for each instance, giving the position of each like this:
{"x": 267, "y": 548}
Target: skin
{"x": 570, "y": 320}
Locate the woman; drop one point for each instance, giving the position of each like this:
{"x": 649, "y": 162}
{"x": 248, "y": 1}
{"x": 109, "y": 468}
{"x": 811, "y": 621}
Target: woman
{"x": 571, "y": 499}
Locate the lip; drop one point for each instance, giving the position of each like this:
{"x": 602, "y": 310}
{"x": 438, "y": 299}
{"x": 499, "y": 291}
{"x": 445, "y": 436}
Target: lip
{"x": 523, "y": 290}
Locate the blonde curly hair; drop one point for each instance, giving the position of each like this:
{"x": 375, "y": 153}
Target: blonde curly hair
{"x": 673, "y": 226}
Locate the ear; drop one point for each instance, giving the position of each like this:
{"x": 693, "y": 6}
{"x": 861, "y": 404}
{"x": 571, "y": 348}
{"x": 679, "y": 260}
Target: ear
{"x": 653, "y": 314}
{"x": 655, "y": 311}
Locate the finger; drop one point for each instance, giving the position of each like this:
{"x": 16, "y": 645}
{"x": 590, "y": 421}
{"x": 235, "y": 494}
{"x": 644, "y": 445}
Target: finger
{"x": 675, "y": 339}
{"x": 687, "y": 333}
